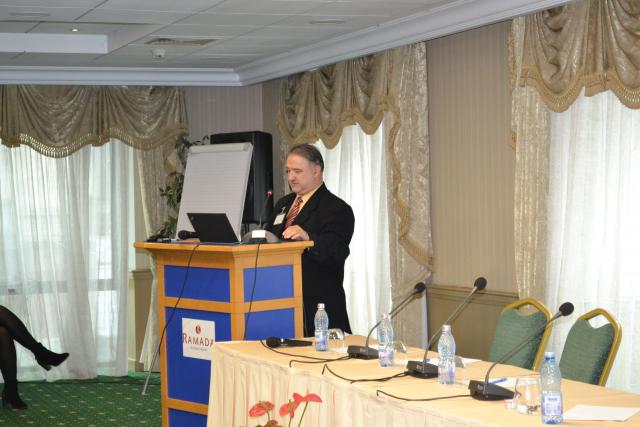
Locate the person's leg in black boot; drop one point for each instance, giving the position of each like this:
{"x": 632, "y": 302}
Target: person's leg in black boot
{"x": 8, "y": 367}
{"x": 45, "y": 357}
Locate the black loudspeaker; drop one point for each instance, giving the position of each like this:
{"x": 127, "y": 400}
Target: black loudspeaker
{"x": 260, "y": 173}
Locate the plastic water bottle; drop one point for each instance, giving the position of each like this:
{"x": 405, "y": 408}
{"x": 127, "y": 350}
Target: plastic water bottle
{"x": 321, "y": 322}
{"x": 385, "y": 341}
{"x": 446, "y": 356}
{"x": 550, "y": 380}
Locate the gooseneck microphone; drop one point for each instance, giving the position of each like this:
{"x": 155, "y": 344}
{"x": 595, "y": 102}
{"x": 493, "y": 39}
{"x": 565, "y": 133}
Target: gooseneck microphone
{"x": 420, "y": 368}
{"x": 264, "y": 207}
{"x": 365, "y": 352}
{"x": 275, "y": 342}
{"x": 485, "y": 390}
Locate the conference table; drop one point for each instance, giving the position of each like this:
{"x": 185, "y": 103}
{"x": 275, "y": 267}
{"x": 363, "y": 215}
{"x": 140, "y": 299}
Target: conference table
{"x": 243, "y": 373}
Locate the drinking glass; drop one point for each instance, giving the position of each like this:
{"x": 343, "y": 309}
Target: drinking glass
{"x": 400, "y": 357}
{"x": 462, "y": 373}
{"x": 527, "y": 395}
{"x": 336, "y": 341}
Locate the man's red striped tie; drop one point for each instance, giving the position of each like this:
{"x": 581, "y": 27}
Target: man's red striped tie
{"x": 293, "y": 213}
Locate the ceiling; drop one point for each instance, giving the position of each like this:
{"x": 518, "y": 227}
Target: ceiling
{"x": 218, "y": 42}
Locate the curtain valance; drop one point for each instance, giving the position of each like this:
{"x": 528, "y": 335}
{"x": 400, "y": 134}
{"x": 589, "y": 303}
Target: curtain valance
{"x": 590, "y": 44}
{"x": 319, "y": 104}
{"x": 58, "y": 120}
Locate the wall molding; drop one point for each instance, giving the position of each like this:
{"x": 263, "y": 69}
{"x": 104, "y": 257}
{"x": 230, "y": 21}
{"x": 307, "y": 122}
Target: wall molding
{"x": 484, "y": 297}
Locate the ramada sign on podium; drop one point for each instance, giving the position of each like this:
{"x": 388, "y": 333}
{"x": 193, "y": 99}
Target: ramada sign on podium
{"x": 214, "y": 304}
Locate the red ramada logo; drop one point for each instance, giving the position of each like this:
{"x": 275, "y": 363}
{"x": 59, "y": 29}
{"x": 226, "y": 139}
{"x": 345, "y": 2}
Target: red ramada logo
{"x": 198, "y": 329}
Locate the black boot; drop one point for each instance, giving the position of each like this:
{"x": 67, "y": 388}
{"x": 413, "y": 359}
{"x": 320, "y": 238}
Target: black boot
{"x": 47, "y": 358}
{"x": 11, "y": 398}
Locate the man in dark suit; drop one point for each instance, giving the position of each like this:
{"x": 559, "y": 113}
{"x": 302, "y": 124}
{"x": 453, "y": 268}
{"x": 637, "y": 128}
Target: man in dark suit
{"x": 312, "y": 212}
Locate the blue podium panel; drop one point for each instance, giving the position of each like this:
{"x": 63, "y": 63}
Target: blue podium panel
{"x": 271, "y": 283}
{"x": 205, "y": 284}
{"x": 179, "y": 418}
{"x": 270, "y": 323}
{"x": 188, "y": 378}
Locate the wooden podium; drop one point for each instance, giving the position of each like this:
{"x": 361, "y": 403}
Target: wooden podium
{"x": 211, "y": 288}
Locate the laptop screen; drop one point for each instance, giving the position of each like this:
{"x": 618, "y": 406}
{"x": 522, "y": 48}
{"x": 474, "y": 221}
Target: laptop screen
{"x": 212, "y": 227}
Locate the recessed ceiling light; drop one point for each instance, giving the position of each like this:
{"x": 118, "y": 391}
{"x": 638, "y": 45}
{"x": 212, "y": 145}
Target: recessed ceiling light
{"x": 30, "y": 14}
{"x": 75, "y": 30}
{"x": 327, "y": 22}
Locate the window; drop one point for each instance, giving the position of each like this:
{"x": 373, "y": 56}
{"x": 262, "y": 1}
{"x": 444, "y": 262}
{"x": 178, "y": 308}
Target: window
{"x": 355, "y": 170}
{"x": 64, "y": 247}
{"x": 594, "y": 220}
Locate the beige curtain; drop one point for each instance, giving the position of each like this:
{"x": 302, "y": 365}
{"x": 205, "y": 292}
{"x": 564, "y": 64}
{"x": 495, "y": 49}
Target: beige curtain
{"x": 410, "y": 227}
{"x": 58, "y": 120}
{"x": 154, "y": 166}
{"x": 530, "y": 124}
{"x": 319, "y": 104}
{"x": 590, "y": 44}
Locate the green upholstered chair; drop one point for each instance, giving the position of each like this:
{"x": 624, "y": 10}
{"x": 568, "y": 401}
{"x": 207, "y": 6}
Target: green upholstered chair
{"x": 589, "y": 352}
{"x": 515, "y": 325}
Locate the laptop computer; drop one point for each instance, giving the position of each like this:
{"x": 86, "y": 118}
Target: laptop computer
{"x": 212, "y": 227}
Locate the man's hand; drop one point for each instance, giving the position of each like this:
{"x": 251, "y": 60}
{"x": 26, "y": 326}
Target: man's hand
{"x": 294, "y": 232}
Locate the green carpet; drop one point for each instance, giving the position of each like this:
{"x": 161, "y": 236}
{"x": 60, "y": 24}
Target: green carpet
{"x": 105, "y": 401}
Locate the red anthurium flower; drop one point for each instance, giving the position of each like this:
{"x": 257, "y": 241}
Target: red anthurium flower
{"x": 289, "y": 408}
{"x": 260, "y": 408}
{"x": 308, "y": 398}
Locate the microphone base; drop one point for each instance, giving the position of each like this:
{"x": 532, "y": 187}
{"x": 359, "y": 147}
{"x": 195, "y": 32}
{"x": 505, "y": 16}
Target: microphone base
{"x": 421, "y": 370}
{"x": 486, "y": 391}
{"x": 259, "y": 236}
{"x": 362, "y": 352}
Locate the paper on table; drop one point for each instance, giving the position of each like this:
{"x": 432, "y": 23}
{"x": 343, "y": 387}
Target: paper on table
{"x": 599, "y": 413}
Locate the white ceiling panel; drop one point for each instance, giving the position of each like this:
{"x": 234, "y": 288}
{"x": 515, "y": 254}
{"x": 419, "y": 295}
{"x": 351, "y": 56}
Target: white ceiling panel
{"x": 310, "y": 32}
{"x": 7, "y": 56}
{"x": 16, "y": 27}
{"x": 132, "y": 16}
{"x": 84, "y": 28}
{"x": 251, "y": 50}
{"x": 89, "y": 4}
{"x": 145, "y": 50}
{"x": 161, "y": 5}
{"x": 196, "y": 31}
{"x": 265, "y": 6}
{"x": 52, "y": 59}
{"x": 385, "y": 9}
{"x": 350, "y": 22}
{"x": 238, "y": 42}
{"x": 11, "y": 13}
{"x": 234, "y": 19}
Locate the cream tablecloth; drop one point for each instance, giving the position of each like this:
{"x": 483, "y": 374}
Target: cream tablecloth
{"x": 243, "y": 373}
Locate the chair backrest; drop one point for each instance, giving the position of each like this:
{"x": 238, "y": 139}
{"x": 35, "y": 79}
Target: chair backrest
{"x": 589, "y": 352}
{"x": 514, "y": 326}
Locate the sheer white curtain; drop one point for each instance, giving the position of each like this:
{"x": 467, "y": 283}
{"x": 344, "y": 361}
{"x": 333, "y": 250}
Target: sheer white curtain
{"x": 63, "y": 255}
{"x": 355, "y": 170}
{"x": 594, "y": 221}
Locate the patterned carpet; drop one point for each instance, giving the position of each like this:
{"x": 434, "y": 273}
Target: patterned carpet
{"x": 105, "y": 401}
